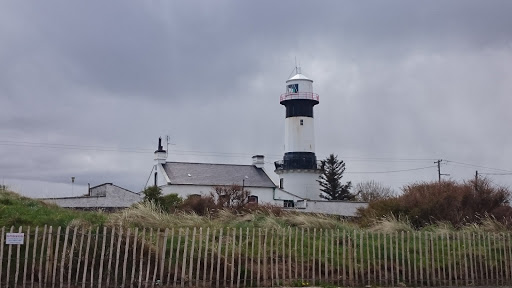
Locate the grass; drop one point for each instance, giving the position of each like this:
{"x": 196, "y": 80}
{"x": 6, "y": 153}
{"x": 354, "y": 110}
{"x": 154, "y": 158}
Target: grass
{"x": 16, "y": 210}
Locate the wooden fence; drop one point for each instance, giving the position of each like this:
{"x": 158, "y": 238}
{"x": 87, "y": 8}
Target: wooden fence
{"x": 208, "y": 257}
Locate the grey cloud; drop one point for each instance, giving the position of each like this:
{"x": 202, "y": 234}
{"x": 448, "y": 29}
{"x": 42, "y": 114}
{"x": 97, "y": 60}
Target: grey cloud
{"x": 396, "y": 79}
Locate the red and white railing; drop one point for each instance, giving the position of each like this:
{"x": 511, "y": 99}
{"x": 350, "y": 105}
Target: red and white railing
{"x": 299, "y": 95}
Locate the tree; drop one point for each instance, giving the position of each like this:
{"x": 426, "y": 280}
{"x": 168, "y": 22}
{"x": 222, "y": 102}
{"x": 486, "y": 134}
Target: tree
{"x": 152, "y": 193}
{"x": 231, "y": 196}
{"x": 371, "y": 191}
{"x": 329, "y": 180}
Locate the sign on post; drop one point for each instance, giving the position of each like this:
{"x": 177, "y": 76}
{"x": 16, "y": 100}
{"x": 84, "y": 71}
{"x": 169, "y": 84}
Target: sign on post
{"x": 14, "y": 238}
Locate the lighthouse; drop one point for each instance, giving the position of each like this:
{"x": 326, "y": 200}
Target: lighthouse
{"x": 299, "y": 169}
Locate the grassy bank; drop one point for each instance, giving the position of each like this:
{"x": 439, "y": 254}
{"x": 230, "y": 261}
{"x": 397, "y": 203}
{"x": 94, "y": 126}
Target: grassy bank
{"x": 16, "y": 210}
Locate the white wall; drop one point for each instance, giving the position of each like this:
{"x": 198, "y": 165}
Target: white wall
{"x": 304, "y": 85}
{"x": 301, "y": 183}
{"x": 299, "y": 138}
{"x": 342, "y": 208}
{"x": 265, "y": 195}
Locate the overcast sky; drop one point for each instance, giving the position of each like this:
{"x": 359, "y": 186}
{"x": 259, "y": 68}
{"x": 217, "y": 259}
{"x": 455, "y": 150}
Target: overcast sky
{"x": 87, "y": 87}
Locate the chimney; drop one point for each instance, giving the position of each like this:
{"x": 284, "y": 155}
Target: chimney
{"x": 160, "y": 154}
{"x": 258, "y": 161}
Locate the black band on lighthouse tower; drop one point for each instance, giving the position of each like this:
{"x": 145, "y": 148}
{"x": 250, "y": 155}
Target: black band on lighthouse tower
{"x": 299, "y": 107}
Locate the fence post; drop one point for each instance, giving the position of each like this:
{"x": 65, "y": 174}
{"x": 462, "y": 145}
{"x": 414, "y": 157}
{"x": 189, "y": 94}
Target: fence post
{"x": 443, "y": 278}
{"x": 199, "y": 254}
{"x": 191, "y": 259}
{"x": 134, "y": 255}
{"x": 84, "y": 277}
{"x": 176, "y": 263}
{"x": 169, "y": 268}
{"x": 403, "y": 257}
{"x": 374, "y": 261}
{"x": 384, "y": 236}
{"x": 272, "y": 259}
{"x": 361, "y": 255}
{"x": 338, "y": 255}
{"x": 162, "y": 255}
{"x": 157, "y": 257}
{"x": 397, "y": 259}
{"x": 139, "y": 284}
{"x": 233, "y": 248}
{"x": 295, "y": 253}
{"x": 427, "y": 256}
{"x": 93, "y": 260}
{"x": 41, "y": 257}
{"x": 148, "y": 265}
{"x": 125, "y": 258}
{"x": 184, "y": 261}
{"x": 205, "y": 255}
{"x": 110, "y": 255}
{"x": 2, "y": 252}
{"x": 18, "y": 252}
{"x": 34, "y": 250}
{"x": 302, "y": 255}
{"x": 471, "y": 238}
{"x": 118, "y": 251}
{"x": 314, "y": 254}
{"x": 247, "y": 255}
{"x": 219, "y": 253}
{"x": 27, "y": 246}
{"x": 62, "y": 258}
{"x": 379, "y": 259}
{"x": 239, "y": 271}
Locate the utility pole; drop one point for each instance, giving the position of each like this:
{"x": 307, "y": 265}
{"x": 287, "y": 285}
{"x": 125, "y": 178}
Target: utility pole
{"x": 476, "y": 180}
{"x": 439, "y": 174}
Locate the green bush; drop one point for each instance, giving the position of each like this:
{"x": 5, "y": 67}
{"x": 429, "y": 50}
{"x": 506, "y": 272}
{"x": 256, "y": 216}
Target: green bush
{"x": 170, "y": 202}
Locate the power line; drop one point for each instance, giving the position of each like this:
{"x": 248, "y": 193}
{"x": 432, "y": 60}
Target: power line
{"x": 183, "y": 152}
{"x": 391, "y": 171}
{"x": 496, "y": 174}
{"x": 477, "y": 166}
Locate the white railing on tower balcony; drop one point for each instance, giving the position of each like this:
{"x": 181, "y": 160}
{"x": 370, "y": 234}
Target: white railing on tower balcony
{"x": 299, "y": 95}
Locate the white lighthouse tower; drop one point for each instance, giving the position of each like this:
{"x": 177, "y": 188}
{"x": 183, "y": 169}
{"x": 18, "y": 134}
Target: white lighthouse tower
{"x": 299, "y": 170}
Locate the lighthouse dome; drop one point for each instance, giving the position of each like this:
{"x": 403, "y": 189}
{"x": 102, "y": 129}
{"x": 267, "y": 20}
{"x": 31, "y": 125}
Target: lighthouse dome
{"x": 299, "y": 76}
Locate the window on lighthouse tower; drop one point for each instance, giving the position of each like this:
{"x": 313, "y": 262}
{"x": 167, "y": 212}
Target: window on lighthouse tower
{"x": 301, "y": 122}
{"x": 293, "y": 88}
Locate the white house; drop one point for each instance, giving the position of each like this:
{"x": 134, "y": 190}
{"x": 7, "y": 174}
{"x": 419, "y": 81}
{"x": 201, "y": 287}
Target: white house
{"x": 184, "y": 179}
{"x": 106, "y": 196}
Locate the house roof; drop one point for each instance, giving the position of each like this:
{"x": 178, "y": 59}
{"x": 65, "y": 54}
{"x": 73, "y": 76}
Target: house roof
{"x": 182, "y": 173}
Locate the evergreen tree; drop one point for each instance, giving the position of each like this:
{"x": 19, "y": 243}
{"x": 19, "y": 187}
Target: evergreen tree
{"x": 152, "y": 193}
{"x": 329, "y": 180}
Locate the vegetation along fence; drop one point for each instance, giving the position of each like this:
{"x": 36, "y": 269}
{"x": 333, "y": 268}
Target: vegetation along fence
{"x": 207, "y": 257}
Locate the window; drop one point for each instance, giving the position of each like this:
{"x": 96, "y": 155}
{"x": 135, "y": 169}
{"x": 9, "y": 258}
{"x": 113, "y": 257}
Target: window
{"x": 281, "y": 182}
{"x": 253, "y": 199}
{"x": 301, "y": 122}
{"x": 288, "y": 204}
{"x": 293, "y": 88}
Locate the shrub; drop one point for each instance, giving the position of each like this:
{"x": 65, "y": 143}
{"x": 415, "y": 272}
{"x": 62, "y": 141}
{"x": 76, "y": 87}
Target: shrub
{"x": 371, "y": 191}
{"x": 170, "y": 202}
{"x": 201, "y": 205}
{"x": 456, "y": 203}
